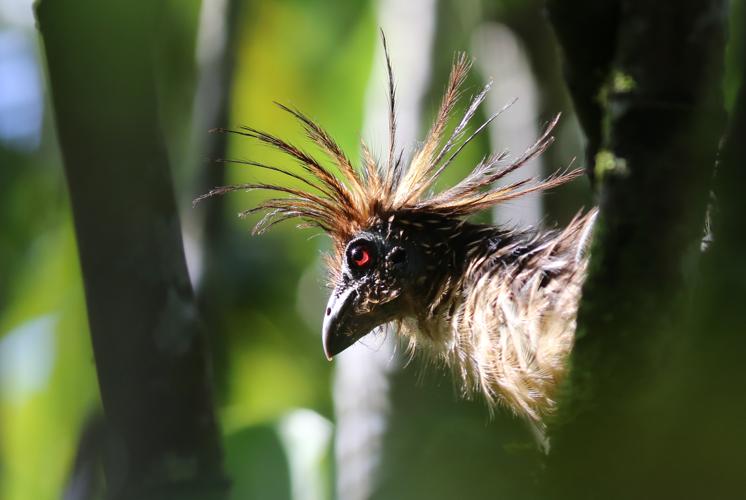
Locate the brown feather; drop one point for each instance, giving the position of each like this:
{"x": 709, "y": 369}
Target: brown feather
{"x": 344, "y": 206}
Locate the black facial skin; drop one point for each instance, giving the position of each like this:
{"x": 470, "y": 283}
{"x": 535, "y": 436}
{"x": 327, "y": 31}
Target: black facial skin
{"x": 402, "y": 261}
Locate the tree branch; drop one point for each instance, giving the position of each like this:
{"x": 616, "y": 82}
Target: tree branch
{"x": 148, "y": 343}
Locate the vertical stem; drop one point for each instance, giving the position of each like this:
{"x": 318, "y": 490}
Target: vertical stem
{"x": 148, "y": 342}
{"x": 212, "y": 110}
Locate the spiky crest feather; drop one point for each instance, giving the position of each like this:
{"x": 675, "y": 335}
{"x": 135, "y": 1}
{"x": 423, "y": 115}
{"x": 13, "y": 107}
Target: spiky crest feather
{"x": 343, "y": 204}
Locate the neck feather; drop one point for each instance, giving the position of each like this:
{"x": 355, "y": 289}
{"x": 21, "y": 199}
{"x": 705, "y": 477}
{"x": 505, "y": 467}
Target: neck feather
{"x": 504, "y": 320}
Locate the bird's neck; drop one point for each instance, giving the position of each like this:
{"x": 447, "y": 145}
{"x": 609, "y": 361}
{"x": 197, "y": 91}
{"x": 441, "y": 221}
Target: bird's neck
{"x": 474, "y": 252}
{"x": 504, "y": 319}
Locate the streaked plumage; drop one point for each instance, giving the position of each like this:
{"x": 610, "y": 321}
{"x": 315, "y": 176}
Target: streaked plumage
{"x": 496, "y": 305}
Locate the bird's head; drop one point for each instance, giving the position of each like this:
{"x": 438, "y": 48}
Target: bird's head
{"x": 387, "y": 272}
{"x": 395, "y": 241}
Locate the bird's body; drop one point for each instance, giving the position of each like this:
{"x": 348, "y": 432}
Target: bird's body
{"x": 496, "y": 305}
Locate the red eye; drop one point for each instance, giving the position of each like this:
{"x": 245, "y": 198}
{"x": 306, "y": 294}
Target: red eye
{"x": 360, "y": 255}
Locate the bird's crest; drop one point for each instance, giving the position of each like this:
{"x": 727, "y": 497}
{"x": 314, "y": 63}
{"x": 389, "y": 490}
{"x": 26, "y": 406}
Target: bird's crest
{"x": 357, "y": 198}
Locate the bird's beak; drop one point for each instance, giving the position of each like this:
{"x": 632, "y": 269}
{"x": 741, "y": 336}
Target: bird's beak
{"x": 342, "y": 327}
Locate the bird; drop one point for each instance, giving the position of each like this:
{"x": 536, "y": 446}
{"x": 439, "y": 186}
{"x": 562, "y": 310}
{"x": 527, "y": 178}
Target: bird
{"x": 496, "y": 305}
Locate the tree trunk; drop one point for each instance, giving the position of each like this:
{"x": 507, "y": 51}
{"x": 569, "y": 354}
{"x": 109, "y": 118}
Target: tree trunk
{"x": 651, "y": 105}
{"x": 149, "y": 346}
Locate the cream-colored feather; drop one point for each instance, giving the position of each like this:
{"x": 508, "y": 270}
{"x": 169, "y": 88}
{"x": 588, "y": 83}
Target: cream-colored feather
{"x": 506, "y": 331}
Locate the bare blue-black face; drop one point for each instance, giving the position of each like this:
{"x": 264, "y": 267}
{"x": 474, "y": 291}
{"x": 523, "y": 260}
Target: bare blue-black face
{"x": 384, "y": 269}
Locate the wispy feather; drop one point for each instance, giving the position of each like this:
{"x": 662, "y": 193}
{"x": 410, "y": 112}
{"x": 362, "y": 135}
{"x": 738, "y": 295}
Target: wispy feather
{"x": 345, "y": 202}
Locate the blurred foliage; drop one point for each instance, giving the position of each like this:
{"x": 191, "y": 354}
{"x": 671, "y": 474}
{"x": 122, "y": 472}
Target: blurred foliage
{"x": 48, "y": 385}
{"x": 316, "y": 55}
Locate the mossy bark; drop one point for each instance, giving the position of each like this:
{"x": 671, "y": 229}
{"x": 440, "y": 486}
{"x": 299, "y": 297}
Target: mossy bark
{"x": 646, "y": 80}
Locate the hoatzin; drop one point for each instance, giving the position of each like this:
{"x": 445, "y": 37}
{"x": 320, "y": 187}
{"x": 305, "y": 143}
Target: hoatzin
{"x": 497, "y": 305}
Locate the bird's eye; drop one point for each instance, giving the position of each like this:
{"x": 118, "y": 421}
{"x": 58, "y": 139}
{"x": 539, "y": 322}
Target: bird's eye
{"x": 360, "y": 255}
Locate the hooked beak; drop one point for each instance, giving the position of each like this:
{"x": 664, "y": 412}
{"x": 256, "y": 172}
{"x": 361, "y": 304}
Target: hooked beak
{"x": 342, "y": 327}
